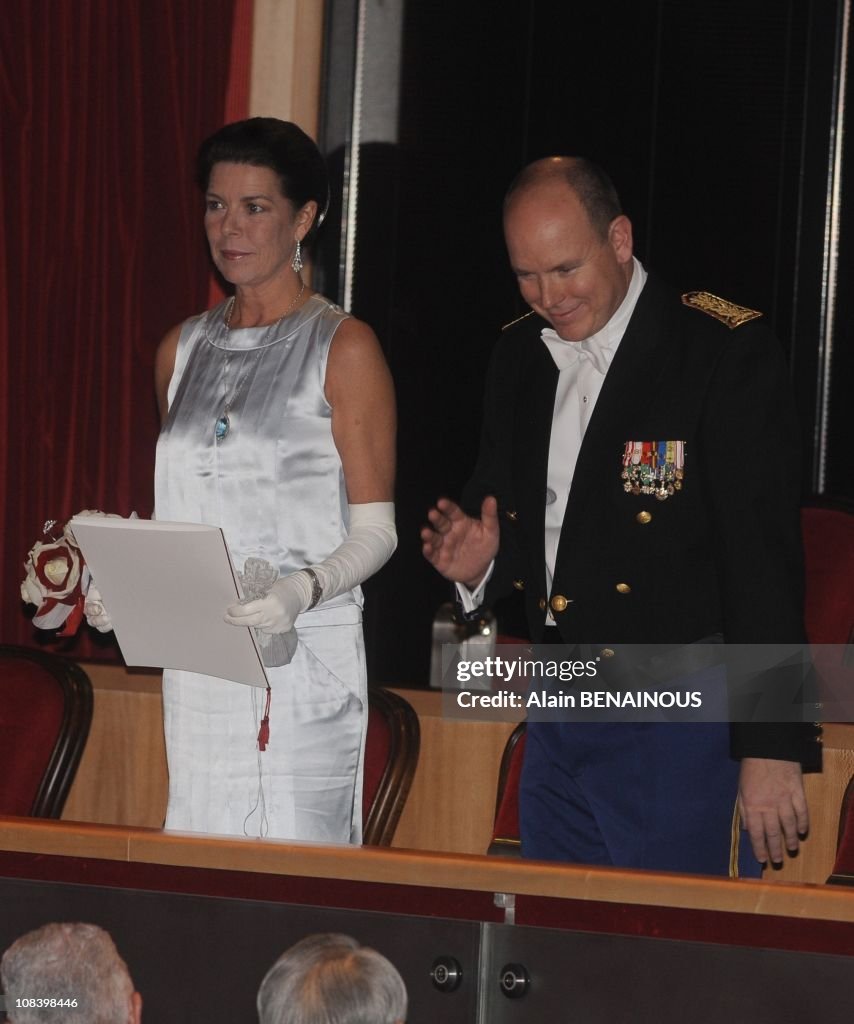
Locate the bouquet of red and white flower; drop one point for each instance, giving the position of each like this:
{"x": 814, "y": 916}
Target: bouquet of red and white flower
{"x": 57, "y": 578}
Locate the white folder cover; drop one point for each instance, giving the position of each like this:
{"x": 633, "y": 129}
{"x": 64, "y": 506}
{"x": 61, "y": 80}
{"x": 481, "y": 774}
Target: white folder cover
{"x": 166, "y": 587}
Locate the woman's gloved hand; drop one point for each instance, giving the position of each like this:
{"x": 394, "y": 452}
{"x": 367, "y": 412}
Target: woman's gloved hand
{"x": 273, "y": 616}
{"x": 368, "y": 546}
{"x": 93, "y": 609}
{"x": 277, "y": 612}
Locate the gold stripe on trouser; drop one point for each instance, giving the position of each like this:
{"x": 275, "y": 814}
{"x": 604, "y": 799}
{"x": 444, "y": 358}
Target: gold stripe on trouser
{"x": 735, "y": 835}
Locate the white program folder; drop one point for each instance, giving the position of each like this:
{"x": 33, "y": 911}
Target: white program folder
{"x": 166, "y": 587}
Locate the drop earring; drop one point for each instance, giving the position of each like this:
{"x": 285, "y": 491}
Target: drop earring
{"x": 296, "y": 262}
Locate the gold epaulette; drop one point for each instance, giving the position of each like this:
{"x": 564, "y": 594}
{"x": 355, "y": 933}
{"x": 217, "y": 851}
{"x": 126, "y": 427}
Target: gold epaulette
{"x": 518, "y": 319}
{"x": 727, "y": 312}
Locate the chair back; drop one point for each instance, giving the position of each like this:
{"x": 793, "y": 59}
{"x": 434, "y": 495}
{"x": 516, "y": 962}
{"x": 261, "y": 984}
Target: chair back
{"x": 505, "y": 831}
{"x": 391, "y": 757}
{"x": 828, "y": 535}
{"x": 45, "y": 713}
{"x": 843, "y": 867}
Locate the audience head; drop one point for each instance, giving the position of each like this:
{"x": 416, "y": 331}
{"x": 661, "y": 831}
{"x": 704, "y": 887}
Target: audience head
{"x": 75, "y": 962}
{"x": 331, "y": 979}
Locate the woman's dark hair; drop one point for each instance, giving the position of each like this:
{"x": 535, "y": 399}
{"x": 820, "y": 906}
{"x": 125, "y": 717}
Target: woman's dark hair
{"x": 268, "y": 142}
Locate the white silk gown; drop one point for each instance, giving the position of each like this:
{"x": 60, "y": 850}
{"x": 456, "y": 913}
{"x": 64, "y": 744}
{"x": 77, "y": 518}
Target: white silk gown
{"x": 275, "y": 485}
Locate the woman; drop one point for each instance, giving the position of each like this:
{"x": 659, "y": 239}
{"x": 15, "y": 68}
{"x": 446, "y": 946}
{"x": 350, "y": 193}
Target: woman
{"x": 278, "y": 425}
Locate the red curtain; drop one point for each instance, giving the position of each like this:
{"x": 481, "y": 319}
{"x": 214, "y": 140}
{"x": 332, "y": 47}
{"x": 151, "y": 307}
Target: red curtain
{"x": 101, "y": 249}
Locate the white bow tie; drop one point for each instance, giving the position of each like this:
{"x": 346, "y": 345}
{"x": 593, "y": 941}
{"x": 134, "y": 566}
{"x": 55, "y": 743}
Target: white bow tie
{"x": 565, "y": 353}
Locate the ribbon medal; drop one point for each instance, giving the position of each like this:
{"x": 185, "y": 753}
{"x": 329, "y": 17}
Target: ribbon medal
{"x": 653, "y": 467}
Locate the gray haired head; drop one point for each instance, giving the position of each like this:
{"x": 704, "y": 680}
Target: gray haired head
{"x": 331, "y": 979}
{"x": 75, "y": 962}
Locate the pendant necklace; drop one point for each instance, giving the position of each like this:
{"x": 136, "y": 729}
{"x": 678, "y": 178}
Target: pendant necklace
{"x": 222, "y": 425}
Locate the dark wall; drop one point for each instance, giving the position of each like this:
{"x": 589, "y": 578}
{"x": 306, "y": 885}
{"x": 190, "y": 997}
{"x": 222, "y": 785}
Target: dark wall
{"x": 713, "y": 118}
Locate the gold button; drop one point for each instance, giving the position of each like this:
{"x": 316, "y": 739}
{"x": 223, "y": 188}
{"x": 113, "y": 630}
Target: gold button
{"x": 558, "y": 603}
{"x": 606, "y": 652}
{"x": 511, "y": 514}
{"x": 623, "y": 588}
{"x": 519, "y": 584}
{"x": 542, "y": 604}
{"x": 644, "y": 517}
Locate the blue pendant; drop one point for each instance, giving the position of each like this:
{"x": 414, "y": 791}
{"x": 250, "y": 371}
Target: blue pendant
{"x": 221, "y": 427}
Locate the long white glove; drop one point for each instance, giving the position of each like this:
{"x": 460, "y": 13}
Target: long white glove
{"x": 369, "y": 545}
{"x": 93, "y": 609}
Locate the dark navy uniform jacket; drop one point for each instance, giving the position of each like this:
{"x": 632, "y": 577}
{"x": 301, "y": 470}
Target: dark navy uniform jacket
{"x": 721, "y": 555}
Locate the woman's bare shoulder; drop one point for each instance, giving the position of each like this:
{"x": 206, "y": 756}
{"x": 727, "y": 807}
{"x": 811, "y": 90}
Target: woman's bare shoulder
{"x": 168, "y": 344}
{"x": 354, "y": 339}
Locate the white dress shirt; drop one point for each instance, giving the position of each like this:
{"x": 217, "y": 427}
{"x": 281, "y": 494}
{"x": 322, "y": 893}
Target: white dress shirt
{"x": 583, "y": 366}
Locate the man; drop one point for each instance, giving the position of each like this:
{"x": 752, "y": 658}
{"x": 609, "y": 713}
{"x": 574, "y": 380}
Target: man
{"x": 610, "y": 377}
{"x": 331, "y": 979}
{"x": 77, "y": 965}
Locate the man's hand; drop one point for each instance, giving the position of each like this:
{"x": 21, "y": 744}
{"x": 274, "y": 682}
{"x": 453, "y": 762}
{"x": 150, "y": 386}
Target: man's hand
{"x": 458, "y": 546}
{"x": 773, "y": 806}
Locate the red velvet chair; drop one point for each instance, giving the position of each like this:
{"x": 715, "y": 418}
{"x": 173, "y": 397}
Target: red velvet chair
{"x": 828, "y": 529}
{"x": 391, "y": 757}
{"x": 505, "y": 832}
{"x": 45, "y": 712}
{"x": 843, "y": 867}
{"x": 828, "y": 532}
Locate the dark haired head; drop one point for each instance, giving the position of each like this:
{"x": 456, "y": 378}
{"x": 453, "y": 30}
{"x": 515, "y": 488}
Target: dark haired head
{"x": 280, "y": 145}
{"x": 587, "y": 180}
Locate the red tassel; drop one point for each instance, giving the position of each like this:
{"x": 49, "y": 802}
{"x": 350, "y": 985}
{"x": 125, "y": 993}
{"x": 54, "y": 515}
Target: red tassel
{"x": 264, "y": 734}
{"x": 264, "y": 731}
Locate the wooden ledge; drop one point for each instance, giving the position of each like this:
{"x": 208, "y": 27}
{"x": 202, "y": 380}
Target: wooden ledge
{"x": 432, "y": 870}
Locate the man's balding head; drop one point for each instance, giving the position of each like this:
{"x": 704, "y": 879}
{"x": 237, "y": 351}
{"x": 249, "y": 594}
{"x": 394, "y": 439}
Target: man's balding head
{"x": 592, "y": 186}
